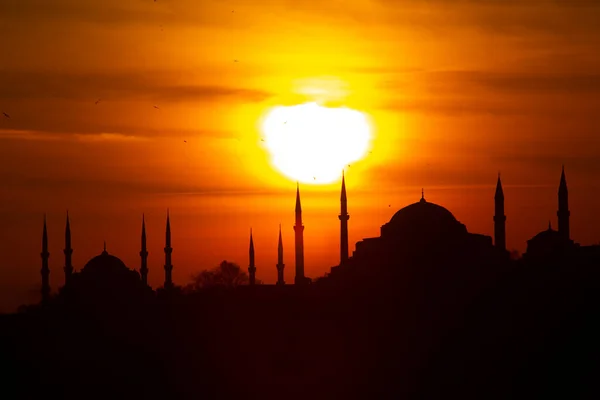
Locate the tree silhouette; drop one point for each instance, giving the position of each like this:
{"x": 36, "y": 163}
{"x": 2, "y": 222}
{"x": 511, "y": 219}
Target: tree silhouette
{"x": 226, "y": 274}
{"x": 515, "y": 255}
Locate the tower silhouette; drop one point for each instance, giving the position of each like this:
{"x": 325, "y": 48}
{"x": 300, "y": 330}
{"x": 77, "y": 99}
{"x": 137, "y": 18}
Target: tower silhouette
{"x": 280, "y": 264}
{"x": 299, "y": 235}
{"x": 563, "y": 207}
{"x": 168, "y": 250}
{"x": 344, "y": 217}
{"x": 251, "y": 266}
{"x": 68, "y": 252}
{"x": 144, "y": 254}
{"x": 499, "y": 217}
{"x": 45, "y": 270}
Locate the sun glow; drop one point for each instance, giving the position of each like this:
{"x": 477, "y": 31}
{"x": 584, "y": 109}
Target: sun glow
{"x": 312, "y": 143}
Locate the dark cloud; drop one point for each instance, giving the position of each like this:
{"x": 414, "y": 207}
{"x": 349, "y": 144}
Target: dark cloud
{"x": 534, "y": 82}
{"x": 116, "y": 85}
{"x": 495, "y": 93}
{"x": 111, "y": 187}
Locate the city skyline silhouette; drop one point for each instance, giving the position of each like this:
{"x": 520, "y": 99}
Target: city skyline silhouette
{"x": 299, "y": 199}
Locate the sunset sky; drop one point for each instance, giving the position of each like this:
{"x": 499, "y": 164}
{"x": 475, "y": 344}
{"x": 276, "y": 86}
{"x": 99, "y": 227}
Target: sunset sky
{"x": 455, "y": 91}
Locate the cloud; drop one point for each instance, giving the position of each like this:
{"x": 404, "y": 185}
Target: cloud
{"x": 117, "y": 85}
{"x": 495, "y": 93}
{"x": 534, "y": 82}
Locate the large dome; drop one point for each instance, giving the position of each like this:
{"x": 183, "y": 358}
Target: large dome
{"x": 423, "y": 212}
{"x": 105, "y": 263}
{"x": 423, "y": 217}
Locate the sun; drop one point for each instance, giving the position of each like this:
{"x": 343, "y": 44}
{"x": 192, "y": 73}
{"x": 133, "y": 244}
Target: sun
{"x": 311, "y": 143}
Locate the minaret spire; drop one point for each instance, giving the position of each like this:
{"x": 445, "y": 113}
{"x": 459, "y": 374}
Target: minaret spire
{"x": 68, "y": 252}
{"x": 499, "y": 217}
{"x": 563, "y": 207}
{"x": 299, "y": 236}
{"x": 280, "y": 265}
{"x": 144, "y": 254}
{"x": 45, "y": 270}
{"x": 343, "y": 217}
{"x": 168, "y": 250}
{"x": 251, "y": 266}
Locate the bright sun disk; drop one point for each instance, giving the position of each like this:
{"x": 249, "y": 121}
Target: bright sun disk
{"x": 313, "y": 144}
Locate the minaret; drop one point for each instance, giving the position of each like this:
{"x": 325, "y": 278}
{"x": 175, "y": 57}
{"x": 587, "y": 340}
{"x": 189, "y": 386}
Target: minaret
{"x": 251, "y": 266}
{"x": 563, "y": 207}
{"x": 280, "y": 264}
{"x": 168, "y": 251}
{"x": 68, "y": 253}
{"x": 344, "y": 217}
{"x": 299, "y": 233}
{"x": 45, "y": 270}
{"x": 144, "y": 254}
{"x": 499, "y": 217}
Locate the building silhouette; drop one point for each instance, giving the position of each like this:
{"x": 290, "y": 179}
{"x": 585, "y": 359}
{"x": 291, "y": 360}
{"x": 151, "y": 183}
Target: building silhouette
{"x": 299, "y": 241}
{"x": 251, "y": 266}
{"x": 144, "y": 254}
{"x": 280, "y": 264}
{"x": 344, "y": 217}
{"x": 556, "y": 246}
{"x": 45, "y": 269}
{"x": 499, "y": 218}
{"x": 68, "y": 252}
{"x": 420, "y": 231}
{"x": 168, "y": 252}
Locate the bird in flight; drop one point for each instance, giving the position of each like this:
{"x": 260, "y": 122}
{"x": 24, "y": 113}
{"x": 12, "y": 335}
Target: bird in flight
{"x": 315, "y": 178}
{"x": 157, "y": 107}
{"x": 389, "y": 205}
{"x": 262, "y": 140}
{"x": 6, "y": 115}
{"x": 185, "y": 141}
{"x": 235, "y": 60}
{"x": 97, "y": 101}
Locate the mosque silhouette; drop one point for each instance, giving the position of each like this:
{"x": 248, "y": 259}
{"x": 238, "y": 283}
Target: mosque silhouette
{"x": 419, "y": 230}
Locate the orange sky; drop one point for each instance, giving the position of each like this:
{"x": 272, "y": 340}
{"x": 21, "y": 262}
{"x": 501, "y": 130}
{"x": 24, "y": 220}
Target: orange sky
{"x": 456, "y": 91}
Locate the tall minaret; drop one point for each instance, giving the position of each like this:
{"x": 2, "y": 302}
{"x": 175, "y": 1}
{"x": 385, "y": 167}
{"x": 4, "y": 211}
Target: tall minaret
{"x": 280, "y": 264}
{"x": 168, "y": 251}
{"x": 251, "y": 266}
{"x": 344, "y": 217}
{"x": 563, "y": 207}
{"x": 68, "y": 253}
{"x": 499, "y": 217}
{"x": 45, "y": 270}
{"x": 299, "y": 233}
{"x": 144, "y": 254}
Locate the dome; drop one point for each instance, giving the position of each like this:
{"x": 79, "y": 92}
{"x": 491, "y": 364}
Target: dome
{"x": 423, "y": 213}
{"x": 105, "y": 263}
{"x": 547, "y": 236}
{"x": 423, "y": 219}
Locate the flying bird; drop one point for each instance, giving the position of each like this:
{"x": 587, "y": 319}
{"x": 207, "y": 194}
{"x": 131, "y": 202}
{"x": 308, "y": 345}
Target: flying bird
{"x": 389, "y": 205}
{"x": 157, "y": 107}
{"x": 262, "y": 140}
{"x": 185, "y": 141}
{"x": 6, "y": 115}
{"x": 97, "y": 101}
{"x": 235, "y": 60}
